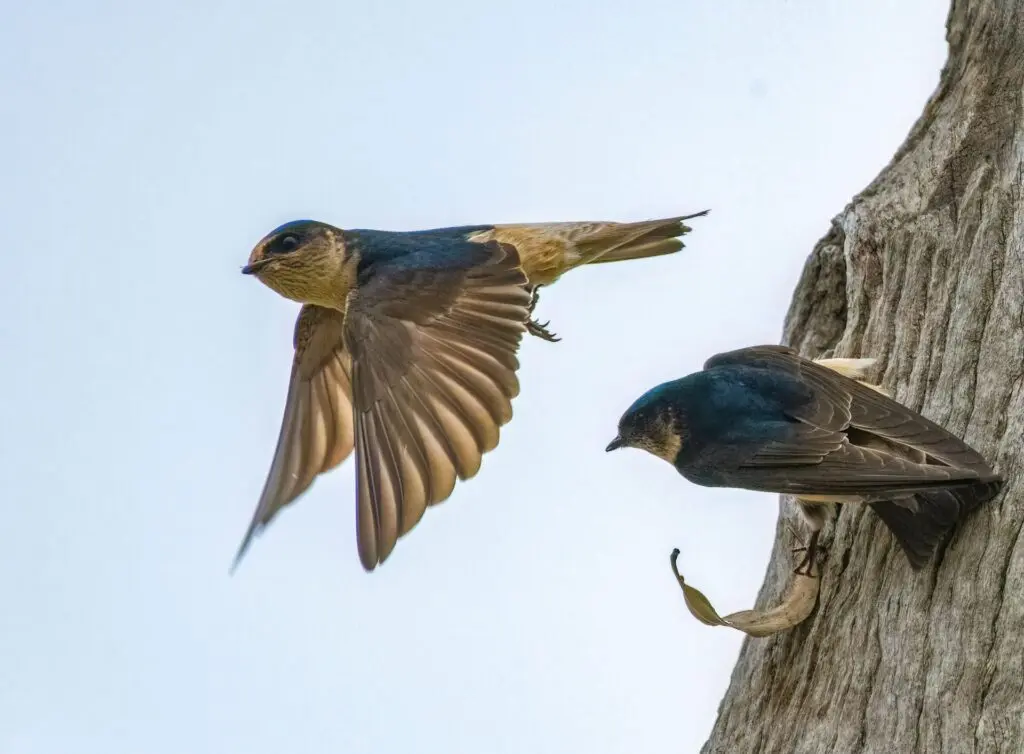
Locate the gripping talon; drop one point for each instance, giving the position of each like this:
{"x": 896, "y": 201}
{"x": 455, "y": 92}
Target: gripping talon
{"x": 536, "y": 328}
{"x": 534, "y": 298}
{"x": 810, "y": 559}
{"x": 541, "y": 331}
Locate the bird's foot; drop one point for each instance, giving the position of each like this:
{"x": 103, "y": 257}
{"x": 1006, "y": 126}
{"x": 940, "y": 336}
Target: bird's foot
{"x": 534, "y": 298}
{"x": 536, "y": 328}
{"x": 541, "y": 331}
{"x": 812, "y": 553}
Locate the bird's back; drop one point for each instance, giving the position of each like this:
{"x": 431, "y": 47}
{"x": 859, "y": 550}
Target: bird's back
{"x": 732, "y": 398}
{"x": 442, "y": 248}
{"x": 546, "y": 250}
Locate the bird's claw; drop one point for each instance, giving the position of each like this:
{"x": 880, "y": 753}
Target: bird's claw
{"x": 806, "y": 566}
{"x": 536, "y": 328}
{"x": 541, "y": 331}
{"x": 813, "y": 552}
{"x": 534, "y": 298}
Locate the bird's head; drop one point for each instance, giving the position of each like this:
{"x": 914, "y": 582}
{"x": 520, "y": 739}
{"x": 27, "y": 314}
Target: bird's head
{"x": 304, "y": 261}
{"x": 653, "y": 424}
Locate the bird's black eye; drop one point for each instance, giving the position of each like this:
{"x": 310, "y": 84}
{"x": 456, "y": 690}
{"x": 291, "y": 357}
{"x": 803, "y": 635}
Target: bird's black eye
{"x": 284, "y": 244}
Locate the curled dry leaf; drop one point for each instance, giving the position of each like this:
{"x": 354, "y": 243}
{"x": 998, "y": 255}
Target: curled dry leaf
{"x": 796, "y": 605}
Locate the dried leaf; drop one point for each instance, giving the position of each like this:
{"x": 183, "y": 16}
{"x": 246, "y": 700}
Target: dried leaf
{"x": 796, "y": 605}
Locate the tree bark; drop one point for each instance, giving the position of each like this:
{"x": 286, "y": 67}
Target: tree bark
{"x": 925, "y": 271}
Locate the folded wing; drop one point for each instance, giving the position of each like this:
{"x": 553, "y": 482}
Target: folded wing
{"x": 840, "y": 403}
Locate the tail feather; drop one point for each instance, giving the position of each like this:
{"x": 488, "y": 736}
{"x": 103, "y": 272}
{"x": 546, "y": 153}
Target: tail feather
{"x": 549, "y": 250}
{"x": 643, "y": 251}
{"x": 617, "y": 242}
{"x": 920, "y": 531}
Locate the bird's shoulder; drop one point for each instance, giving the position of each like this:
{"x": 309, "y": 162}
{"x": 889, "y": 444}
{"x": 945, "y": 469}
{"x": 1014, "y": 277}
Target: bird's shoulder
{"x": 728, "y": 413}
{"x": 739, "y": 390}
{"x": 793, "y": 379}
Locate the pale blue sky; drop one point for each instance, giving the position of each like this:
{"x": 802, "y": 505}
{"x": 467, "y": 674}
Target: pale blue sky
{"x": 147, "y": 147}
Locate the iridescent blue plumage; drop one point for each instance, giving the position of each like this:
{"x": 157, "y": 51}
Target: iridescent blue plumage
{"x": 720, "y": 411}
{"x": 294, "y": 226}
{"x": 442, "y": 249}
{"x": 765, "y": 419}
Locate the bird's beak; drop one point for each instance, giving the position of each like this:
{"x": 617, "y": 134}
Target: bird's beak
{"x": 615, "y": 444}
{"x": 253, "y": 267}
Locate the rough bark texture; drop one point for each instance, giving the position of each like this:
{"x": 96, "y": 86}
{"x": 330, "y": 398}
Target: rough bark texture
{"x": 925, "y": 270}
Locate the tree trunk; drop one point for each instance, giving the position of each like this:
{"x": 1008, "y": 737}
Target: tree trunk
{"x": 925, "y": 271}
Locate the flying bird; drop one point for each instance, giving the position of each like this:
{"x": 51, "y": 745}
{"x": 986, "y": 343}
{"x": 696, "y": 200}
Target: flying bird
{"x": 405, "y": 352}
{"x": 765, "y": 419}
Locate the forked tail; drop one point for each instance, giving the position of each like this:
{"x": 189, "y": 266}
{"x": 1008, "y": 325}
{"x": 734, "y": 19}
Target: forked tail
{"x": 549, "y": 250}
{"x": 619, "y": 242}
{"x": 921, "y": 532}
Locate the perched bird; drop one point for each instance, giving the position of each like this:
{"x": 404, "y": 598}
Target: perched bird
{"x": 405, "y": 350}
{"x": 765, "y": 419}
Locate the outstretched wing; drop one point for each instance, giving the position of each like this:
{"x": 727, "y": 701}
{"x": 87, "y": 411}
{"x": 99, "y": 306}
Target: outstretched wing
{"x": 840, "y": 402}
{"x": 317, "y": 430}
{"x": 433, "y": 339}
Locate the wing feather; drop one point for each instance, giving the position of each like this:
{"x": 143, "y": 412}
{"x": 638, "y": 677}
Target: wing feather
{"x": 849, "y": 470}
{"x": 435, "y": 354}
{"x": 842, "y": 403}
{"x": 317, "y": 431}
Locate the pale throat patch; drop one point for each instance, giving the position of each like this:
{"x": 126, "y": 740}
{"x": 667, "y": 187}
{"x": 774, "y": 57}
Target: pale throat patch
{"x": 334, "y": 278}
{"x": 665, "y": 444}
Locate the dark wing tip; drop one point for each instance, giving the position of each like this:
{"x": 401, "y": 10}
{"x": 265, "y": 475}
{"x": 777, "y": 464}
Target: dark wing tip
{"x": 702, "y": 213}
{"x": 253, "y": 530}
{"x": 369, "y": 562}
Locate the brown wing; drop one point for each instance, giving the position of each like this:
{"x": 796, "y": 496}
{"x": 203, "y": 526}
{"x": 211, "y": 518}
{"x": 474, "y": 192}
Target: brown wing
{"x": 317, "y": 430}
{"x": 435, "y": 373}
{"x": 840, "y": 402}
